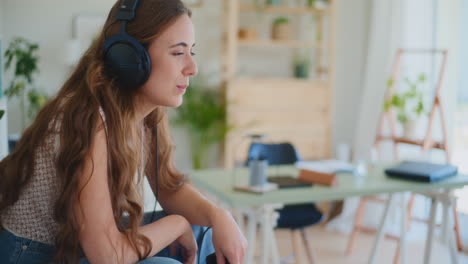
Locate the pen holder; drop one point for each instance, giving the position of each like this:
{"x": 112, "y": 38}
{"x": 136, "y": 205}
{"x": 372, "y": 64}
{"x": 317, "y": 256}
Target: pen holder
{"x": 258, "y": 176}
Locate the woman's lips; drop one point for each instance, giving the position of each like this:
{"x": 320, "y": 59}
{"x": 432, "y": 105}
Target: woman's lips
{"x": 182, "y": 88}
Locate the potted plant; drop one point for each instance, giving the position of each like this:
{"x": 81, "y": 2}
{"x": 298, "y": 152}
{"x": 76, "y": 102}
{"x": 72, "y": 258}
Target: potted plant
{"x": 409, "y": 104}
{"x": 319, "y": 4}
{"x": 301, "y": 67}
{"x": 273, "y": 2}
{"x": 203, "y": 112}
{"x": 281, "y": 29}
{"x": 261, "y": 4}
{"x": 21, "y": 54}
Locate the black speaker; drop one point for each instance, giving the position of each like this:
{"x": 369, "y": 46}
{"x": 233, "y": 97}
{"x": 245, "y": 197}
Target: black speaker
{"x": 126, "y": 59}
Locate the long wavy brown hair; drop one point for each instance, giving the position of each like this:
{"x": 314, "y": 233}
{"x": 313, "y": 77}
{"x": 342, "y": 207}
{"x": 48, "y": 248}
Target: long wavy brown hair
{"x": 74, "y": 114}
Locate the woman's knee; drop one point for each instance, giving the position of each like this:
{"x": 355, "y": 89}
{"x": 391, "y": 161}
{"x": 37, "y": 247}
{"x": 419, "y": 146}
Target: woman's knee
{"x": 159, "y": 260}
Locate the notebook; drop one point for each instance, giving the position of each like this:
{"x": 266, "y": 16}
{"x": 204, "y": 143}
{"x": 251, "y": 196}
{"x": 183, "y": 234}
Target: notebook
{"x": 286, "y": 181}
{"x": 421, "y": 171}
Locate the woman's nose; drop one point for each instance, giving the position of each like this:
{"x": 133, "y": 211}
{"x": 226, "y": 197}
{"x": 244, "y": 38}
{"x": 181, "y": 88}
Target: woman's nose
{"x": 191, "y": 67}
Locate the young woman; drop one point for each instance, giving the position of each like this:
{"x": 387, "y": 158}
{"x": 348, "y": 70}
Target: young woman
{"x": 70, "y": 191}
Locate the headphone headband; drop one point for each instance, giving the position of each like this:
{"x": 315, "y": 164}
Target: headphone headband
{"x": 127, "y": 10}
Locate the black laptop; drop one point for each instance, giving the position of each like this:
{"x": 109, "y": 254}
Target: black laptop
{"x": 421, "y": 171}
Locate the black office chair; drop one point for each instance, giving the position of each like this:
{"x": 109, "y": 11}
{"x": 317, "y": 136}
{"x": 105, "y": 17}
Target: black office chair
{"x": 295, "y": 217}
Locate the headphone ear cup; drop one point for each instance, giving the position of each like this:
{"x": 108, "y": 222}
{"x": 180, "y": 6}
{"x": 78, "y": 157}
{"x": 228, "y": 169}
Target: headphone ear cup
{"x": 127, "y": 61}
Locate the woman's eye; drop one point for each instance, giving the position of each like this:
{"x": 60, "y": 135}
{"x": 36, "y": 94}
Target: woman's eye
{"x": 182, "y": 53}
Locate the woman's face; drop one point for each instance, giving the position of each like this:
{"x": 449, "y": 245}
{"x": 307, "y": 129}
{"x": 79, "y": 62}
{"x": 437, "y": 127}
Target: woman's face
{"x": 172, "y": 64}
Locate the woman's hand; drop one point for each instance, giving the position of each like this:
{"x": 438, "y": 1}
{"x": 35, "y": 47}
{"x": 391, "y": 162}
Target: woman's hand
{"x": 228, "y": 240}
{"x": 188, "y": 245}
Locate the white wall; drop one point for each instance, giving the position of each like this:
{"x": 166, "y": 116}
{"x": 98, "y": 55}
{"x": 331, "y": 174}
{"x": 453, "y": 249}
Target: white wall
{"x": 1, "y": 17}
{"x": 3, "y": 121}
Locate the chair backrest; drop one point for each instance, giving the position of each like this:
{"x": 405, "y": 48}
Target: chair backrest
{"x": 276, "y": 154}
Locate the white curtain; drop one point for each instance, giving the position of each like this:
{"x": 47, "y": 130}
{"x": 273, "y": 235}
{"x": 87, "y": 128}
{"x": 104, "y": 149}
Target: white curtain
{"x": 383, "y": 39}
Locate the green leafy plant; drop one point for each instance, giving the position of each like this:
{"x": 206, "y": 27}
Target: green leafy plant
{"x": 203, "y": 112}
{"x": 409, "y": 105}
{"x": 280, "y": 20}
{"x": 23, "y": 54}
{"x": 261, "y": 4}
{"x": 273, "y": 2}
{"x": 320, "y": 4}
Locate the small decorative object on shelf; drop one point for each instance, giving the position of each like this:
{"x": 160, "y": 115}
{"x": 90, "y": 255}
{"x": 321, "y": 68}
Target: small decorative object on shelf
{"x": 301, "y": 67}
{"x": 247, "y": 34}
{"x": 281, "y": 29}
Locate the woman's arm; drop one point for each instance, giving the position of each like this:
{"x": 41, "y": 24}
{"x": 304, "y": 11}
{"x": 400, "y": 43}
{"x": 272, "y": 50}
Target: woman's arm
{"x": 99, "y": 237}
{"x": 190, "y": 203}
{"x": 228, "y": 240}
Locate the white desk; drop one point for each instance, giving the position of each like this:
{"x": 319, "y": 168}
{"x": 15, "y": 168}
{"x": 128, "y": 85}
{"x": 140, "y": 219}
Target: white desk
{"x": 260, "y": 208}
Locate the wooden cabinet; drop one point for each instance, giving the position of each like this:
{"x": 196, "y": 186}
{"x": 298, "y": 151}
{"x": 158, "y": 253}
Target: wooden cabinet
{"x": 283, "y": 107}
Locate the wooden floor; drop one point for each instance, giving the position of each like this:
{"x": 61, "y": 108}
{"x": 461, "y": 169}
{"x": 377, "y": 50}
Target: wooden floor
{"x": 329, "y": 247}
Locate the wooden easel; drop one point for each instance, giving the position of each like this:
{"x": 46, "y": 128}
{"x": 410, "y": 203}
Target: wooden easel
{"x": 426, "y": 144}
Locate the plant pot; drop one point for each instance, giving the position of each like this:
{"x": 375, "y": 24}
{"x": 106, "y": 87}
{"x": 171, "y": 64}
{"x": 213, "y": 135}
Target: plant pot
{"x": 281, "y": 31}
{"x": 410, "y": 129}
{"x": 301, "y": 70}
{"x": 247, "y": 34}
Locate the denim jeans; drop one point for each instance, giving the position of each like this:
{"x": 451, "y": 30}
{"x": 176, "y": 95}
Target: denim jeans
{"x": 18, "y": 250}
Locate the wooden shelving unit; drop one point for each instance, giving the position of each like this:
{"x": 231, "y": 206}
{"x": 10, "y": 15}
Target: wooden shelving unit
{"x": 279, "y": 43}
{"x": 285, "y": 109}
{"x": 282, "y": 10}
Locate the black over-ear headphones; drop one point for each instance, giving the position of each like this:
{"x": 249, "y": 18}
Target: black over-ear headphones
{"x": 125, "y": 57}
